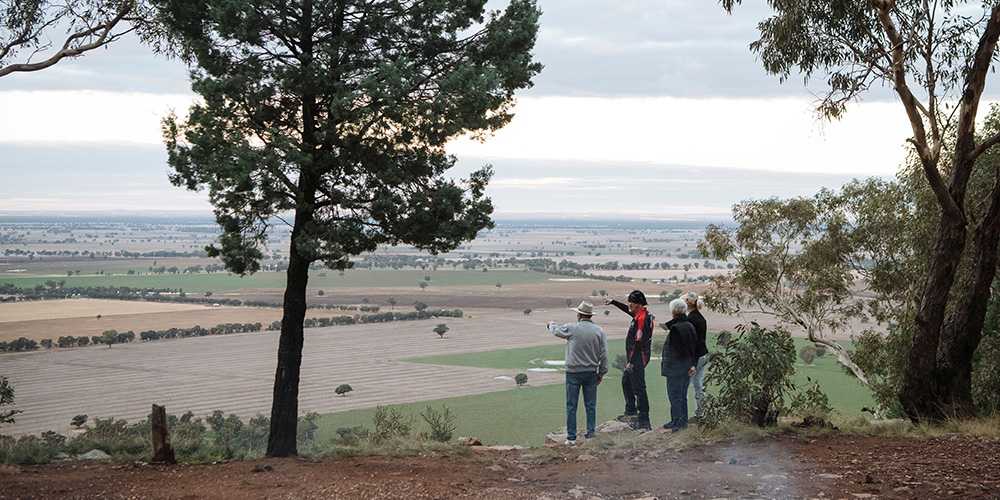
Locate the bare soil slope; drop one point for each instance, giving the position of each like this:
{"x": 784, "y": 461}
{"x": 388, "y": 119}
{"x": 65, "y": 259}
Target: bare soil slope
{"x": 831, "y": 466}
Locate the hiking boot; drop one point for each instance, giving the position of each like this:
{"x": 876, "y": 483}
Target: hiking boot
{"x": 636, "y": 426}
{"x": 627, "y": 417}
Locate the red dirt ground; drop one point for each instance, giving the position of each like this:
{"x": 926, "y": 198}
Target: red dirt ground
{"x": 831, "y": 466}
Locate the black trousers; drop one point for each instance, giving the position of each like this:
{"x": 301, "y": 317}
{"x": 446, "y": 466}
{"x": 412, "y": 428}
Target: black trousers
{"x": 634, "y": 388}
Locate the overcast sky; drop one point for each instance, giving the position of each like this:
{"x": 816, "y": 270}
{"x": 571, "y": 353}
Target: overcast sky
{"x": 645, "y": 108}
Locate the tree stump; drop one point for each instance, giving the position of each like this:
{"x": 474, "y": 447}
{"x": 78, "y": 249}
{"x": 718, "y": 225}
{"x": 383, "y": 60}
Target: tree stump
{"x": 163, "y": 452}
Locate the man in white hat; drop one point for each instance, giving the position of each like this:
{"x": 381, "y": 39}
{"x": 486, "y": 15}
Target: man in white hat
{"x": 586, "y": 364}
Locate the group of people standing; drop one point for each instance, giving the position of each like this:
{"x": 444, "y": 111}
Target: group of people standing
{"x": 683, "y": 361}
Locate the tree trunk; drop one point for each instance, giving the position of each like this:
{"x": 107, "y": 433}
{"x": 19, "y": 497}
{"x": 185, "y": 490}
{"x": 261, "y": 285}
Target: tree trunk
{"x": 962, "y": 333}
{"x": 918, "y": 392}
{"x": 281, "y": 441}
{"x": 163, "y": 451}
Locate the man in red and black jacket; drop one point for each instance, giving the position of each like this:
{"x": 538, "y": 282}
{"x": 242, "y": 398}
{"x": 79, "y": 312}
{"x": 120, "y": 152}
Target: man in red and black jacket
{"x": 637, "y": 347}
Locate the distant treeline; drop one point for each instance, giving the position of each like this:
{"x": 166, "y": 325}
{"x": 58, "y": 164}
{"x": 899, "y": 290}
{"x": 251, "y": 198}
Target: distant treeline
{"x": 111, "y": 337}
{"x": 55, "y": 291}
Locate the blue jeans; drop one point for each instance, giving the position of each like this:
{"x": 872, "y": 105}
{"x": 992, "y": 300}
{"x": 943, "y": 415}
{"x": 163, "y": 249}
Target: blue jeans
{"x": 699, "y": 386}
{"x": 574, "y": 382}
{"x": 677, "y": 393}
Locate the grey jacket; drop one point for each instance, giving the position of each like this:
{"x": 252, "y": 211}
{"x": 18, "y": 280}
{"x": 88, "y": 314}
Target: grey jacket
{"x": 587, "y": 346}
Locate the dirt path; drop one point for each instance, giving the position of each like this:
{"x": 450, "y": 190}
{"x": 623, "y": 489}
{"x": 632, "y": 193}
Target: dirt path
{"x": 832, "y": 466}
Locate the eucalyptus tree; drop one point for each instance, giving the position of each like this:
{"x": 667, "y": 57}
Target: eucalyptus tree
{"x": 936, "y": 56}
{"x": 331, "y": 116}
{"x": 28, "y": 27}
{"x": 793, "y": 265}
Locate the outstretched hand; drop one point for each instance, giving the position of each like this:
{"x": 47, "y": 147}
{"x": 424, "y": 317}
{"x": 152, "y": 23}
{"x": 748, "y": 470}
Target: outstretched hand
{"x": 607, "y": 302}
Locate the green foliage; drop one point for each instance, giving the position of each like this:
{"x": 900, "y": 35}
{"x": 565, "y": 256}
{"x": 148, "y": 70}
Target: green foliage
{"x": 811, "y": 402}
{"x": 527, "y": 312}
{"x": 6, "y": 400}
{"x": 752, "y": 371}
{"x": 986, "y": 375}
{"x": 420, "y": 306}
{"x": 521, "y": 379}
{"x": 441, "y": 423}
{"x": 883, "y": 358}
{"x": 388, "y": 423}
{"x": 343, "y": 389}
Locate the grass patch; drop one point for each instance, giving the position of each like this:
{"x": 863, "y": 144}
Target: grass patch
{"x": 847, "y": 395}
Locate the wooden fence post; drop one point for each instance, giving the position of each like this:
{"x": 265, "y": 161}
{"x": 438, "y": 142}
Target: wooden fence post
{"x": 163, "y": 452}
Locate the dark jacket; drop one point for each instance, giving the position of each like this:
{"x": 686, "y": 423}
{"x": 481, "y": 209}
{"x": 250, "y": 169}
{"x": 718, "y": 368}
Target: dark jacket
{"x": 639, "y": 339}
{"x": 679, "y": 351}
{"x": 701, "y": 328}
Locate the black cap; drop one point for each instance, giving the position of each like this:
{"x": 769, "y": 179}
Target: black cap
{"x": 636, "y": 297}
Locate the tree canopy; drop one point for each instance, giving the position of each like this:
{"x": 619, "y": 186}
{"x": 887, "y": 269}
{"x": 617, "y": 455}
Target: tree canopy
{"x": 936, "y": 57}
{"x": 27, "y": 29}
{"x": 332, "y": 116}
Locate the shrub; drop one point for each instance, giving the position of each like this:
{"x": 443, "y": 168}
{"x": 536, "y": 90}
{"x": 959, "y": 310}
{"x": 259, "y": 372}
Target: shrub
{"x": 752, "y": 371}
{"x": 388, "y": 423}
{"x": 811, "y": 402}
{"x": 79, "y": 421}
{"x": 6, "y": 399}
{"x": 442, "y": 423}
{"x": 527, "y": 312}
{"x": 521, "y": 379}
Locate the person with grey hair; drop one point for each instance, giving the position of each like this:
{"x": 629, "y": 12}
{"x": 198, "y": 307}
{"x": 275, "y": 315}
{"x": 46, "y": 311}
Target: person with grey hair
{"x": 679, "y": 363}
{"x": 586, "y": 364}
{"x": 694, "y": 305}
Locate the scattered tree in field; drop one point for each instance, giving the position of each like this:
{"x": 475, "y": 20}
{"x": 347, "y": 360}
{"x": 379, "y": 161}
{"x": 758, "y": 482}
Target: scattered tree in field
{"x": 499, "y": 285}
{"x": 365, "y": 300}
{"x": 336, "y": 115}
{"x": 109, "y": 337}
{"x": 392, "y": 302}
{"x": 441, "y": 329}
{"x": 320, "y": 293}
{"x": 427, "y": 278}
{"x": 422, "y": 284}
{"x": 98, "y": 316}
{"x": 420, "y": 306}
{"x": 808, "y": 354}
{"x": 527, "y": 312}
{"x": 79, "y": 421}
{"x": 569, "y": 302}
{"x": 607, "y": 312}
{"x": 942, "y": 53}
{"x": 343, "y": 389}
{"x": 6, "y": 399}
{"x": 521, "y": 379}
{"x": 603, "y": 293}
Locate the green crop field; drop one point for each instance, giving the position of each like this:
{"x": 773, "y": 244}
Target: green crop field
{"x": 223, "y": 282}
{"x": 499, "y": 418}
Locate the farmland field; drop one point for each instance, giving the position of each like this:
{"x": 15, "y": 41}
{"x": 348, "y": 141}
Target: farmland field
{"x": 505, "y": 308}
